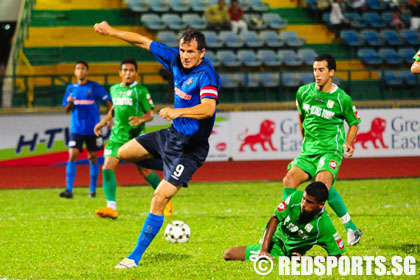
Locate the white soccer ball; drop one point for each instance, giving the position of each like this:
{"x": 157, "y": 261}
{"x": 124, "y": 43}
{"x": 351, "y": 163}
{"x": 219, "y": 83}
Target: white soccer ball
{"x": 177, "y": 232}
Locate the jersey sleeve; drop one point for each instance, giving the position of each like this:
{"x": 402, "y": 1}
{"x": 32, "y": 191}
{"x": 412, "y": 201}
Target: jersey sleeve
{"x": 145, "y": 99}
{"x": 350, "y": 112}
{"x": 66, "y": 94}
{"x": 329, "y": 239}
{"x": 164, "y": 54}
{"x": 209, "y": 86}
{"x": 416, "y": 57}
{"x": 284, "y": 207}
{"x": 101, "y": 93}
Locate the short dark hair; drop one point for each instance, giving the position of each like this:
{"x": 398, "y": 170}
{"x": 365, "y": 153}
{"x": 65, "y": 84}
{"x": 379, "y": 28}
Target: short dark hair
{"x": 82, "y": 62}
{"x": 330, "y": 61}
{"x": 129, "y": 61}
{"x": 192, "y": 34}
{"x": 318, "y": 190}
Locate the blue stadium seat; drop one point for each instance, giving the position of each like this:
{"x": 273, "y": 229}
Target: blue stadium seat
{"x": 389, "y": 56}
{"x": 228, "y": 58}
{"x": 290, "y": 79}
{"x": 249, "y": 58}
{"x": 371, "y": 38}
{"x": 173, "y": 21}
{"x": 195, "y": 21}
{"x": 387, "y": 17}
{"x": 215, "y": 61}
{"x": 374, "y": 20}
{"x": 391, "y": 78}
{"x": 179, "y": 5}
{"x": 244, "y": 5}
{"x": 377, "y": 5}
{"x": 307, "y": 78}
{"x": 352, "y": 38}
{"x": 391, "y": 37}
{"x": 231, "y": 39}
{"x": 290, "y": 58}
{"x": 251, "y": 39}
{"x": 250, "y": 80}
{"x": 410, "y": 36}
{"x": 307, "y": 56}
{"x": 292, "y": 39}
{"x": 229, "y": 80}
{"x": 408, "y": 77}
{"x": 269, "y": 57}
{"x": 258, "y": 5}
{"x": 369, "y": 56}
{"x": 355, "y": 20}
{"x": 407, "y": 54}
{"x": 212, "y": 40}
{"x": 269, "y": 79}
{"x": 137, "y": 5}
{"x": 271, "y": 38}
{"x": 153, "y": 22}
{"x": 199, "y": 5}
{"x": 158, "y": 5}
{"x": 168, "y": 38}
{"x": 326, "y": 19}
{"x": 274, "y": 21}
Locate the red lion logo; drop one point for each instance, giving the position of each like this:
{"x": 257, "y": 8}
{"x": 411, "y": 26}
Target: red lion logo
{"x": 263, "y": 136}
{"x": 376, "y": 133}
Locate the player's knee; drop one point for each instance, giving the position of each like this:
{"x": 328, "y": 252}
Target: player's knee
{"x": 159, "y": 201}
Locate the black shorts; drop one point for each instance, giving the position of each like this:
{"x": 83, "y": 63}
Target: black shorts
{"x": 181, "y": 156}
{"x": 93, "y": 143}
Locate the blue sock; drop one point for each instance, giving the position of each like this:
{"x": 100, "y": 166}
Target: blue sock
{"x": 94, "y": 171}
{"x": 70, "y": 174}
{"x": 150, "y": 228}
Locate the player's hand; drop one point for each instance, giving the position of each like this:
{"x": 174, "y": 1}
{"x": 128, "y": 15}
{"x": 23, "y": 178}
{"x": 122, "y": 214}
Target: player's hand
{"x": 266, "y": 253}
{"x": 168, "y": 113}
{"x": 97, "y": 130}
{"x": 134, "y": 120}
{"x": 70, "y": 98}
{"x": 348, "y": 149}
{"x": 297, "y": 254}
{"x": 103, "y": 28}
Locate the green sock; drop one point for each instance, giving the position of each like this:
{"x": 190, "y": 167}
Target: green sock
{"x": 287, "y": 192}
{"x": 337, "y": 204}
{"x": 110, "y": 184}
{"x": 153, "y": 180}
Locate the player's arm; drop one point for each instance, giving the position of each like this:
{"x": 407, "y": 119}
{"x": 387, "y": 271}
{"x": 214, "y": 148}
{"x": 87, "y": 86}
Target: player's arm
{"x": 107, "y": 118}
{"x": 302, "y": 130}
{"x": 415, "y": 67}
{"x": 147, "y": 117}
{"x": 268, "y": 236}
{"x": 351, "y": 135}
{"x": 204, "y": 110}
{"x": 133, "y": 38}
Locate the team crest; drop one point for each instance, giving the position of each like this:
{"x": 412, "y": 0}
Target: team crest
{"x": 309, "y": 227}
{"x": 88, "y": 92}
{"x": 330, "y": 103}
{"x": 128, "y": 92}
{"x": 190, "y": 81}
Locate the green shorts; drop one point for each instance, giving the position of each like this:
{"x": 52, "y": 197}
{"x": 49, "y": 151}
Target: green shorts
{"x": 111, "y": 149}
{"x": 252, "y": 251}
{"x": 317, "y": 163}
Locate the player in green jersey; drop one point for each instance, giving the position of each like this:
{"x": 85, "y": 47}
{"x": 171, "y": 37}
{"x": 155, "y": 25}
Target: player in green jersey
{"x": 323, "y": 108}
{"x": 298, "y": 223}
{"x": 132, "y": 108}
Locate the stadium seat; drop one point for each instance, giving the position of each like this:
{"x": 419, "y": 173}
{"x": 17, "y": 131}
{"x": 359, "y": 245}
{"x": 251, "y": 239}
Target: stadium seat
{"x": 389, "y": 56}
{"x": 407, "y": 54}
{"x": 251, "y": 39}
{"x": 212, "y": 40}
{"x": 231, "y": 39}
{"x": 355, "y": 20}
{"x": 391, "y": 37}
{"x": 387, "y": 17}
{"x": 274, "y": 21}
{"x": 250, "y": 80}
{"x": 255, "y": 21}
{"x": 269, "y": 79}
{"x": 168, "y": 38}
{"x": 374, "y": 20}
{"x": 158, "y": 5}
{"x": 290, "y": 79}
{"x": 173, "y": 21}
{"x": 391, "y": 78}
{"x": 179, "y": 5}
{"x": 326, "y": 19}
{"x": 229, "y": 80}
{"x": 369, "y": 56}
{"x": 371, "y": 38}
{"x": 137, "y": 5}
{"x": 410, "y": 36}
{"x": 199, "y": 5}
{"x": 377, "y": 5}
{"x": 244, "y": 5}
{"x": 290, "y": 58}
{"x": 153, "y": 22}
{"x": 306, "y": 78}
{"x": 407, "y": 77}
{"x": 258, "y": 5}
{"x": 307, "y": 56}
{"x": 292, "y": 39}
{"x": 271, "y": 39}
{"x": 195, "y": 21}
{"x": 228, "y": 58}
{"x": 215, "y": 61}
{"x": 269, "y": 58}
{"x": 249, "y": 58}
{"x": 351, "y": 38}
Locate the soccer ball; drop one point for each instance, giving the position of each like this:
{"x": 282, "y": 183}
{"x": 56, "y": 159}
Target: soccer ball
{"x": 177, "y": 232}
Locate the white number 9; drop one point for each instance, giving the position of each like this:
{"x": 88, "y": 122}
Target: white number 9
{"x": 178, "y": 170}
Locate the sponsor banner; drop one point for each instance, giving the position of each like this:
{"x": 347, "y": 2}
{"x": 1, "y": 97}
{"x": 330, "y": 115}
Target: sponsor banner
{"x": 219, "y": 140}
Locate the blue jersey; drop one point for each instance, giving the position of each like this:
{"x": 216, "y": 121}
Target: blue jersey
{"x": 85, "y": 114}
{"x": 191, "y": 85}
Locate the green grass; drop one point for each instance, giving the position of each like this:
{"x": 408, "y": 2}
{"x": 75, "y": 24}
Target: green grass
{"x": 45, "y": 237}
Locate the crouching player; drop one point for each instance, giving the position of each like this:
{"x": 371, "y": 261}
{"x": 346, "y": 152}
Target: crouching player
{"x": 298, "y": 223}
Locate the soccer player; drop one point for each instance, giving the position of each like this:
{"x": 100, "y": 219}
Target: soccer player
{"x": 298, "y": 223}
{"x": 82, "y": 100}
{"x": 184, "y": 146}
{"x": 133, "y": 107}
{"x": 323, "y": 107}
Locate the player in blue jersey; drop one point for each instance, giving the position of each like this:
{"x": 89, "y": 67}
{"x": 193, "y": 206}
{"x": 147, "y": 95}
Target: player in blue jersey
{"x": 82, "y": 99}
{"x": 184, "y": 146}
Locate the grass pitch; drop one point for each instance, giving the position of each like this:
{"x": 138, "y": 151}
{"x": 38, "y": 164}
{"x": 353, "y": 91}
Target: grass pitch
{"x": 43, "y": 236}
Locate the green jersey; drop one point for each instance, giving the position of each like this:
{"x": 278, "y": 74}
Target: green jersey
{"x": 324, "y": 115}
{"x": 293, "y": 236}
{"x": 416, "y": 57}
{"x": 128, "y": 101}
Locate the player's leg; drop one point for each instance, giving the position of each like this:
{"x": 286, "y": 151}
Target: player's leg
{"x": 75, "y": 146}
{"x": 110, "y": 187}
{"x": 93, "y": 145}
{"x": 300, "y": 170}
{"x": 235, "y": 254}
{"x": 133, "y": 151}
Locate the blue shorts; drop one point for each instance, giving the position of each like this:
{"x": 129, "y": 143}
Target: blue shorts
{"x": 93, "y": 143}
{"x": 181, "y": 156}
